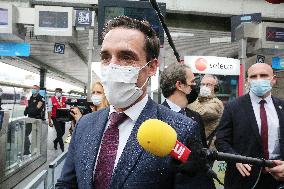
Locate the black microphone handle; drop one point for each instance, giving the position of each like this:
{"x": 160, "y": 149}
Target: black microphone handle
{"x": 221, "y": 156}
{"x": 162, "y": 21}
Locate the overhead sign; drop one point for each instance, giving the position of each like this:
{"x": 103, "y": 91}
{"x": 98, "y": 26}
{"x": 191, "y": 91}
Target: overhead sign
{"x": 83, "y": 18}
{"x": 275, "y": 34}
{"x": 14, "y": 49}
{"x": 140, "y": 10}
{"x": 59, "y": 48}
{"x": 278, "y": 63}
{"x": 237, "y": 20}
{"x": 4, "y": 17}
{"x": 260, "y": 59}
{"x": 213, "y": 65}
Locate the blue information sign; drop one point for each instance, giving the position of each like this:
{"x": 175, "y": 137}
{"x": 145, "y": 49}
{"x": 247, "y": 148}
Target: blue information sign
{"x": 83, "y": 18}
{"x": 59, "y": 48}
{"x": 14, "y": 49}
{"x": 278, "y": 63}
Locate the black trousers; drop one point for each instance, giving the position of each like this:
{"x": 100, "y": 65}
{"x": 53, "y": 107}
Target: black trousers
{"x": 27, "y": 142}
{"x": 60, "y": 131}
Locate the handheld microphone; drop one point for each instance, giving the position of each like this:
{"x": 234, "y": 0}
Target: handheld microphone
{"x": 160, "y": 139}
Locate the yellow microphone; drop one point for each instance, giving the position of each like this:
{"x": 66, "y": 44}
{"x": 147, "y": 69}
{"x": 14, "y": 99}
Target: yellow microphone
{"x": 160, "y": 139}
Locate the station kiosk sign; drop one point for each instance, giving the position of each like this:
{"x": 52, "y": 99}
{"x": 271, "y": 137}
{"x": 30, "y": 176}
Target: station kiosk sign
{"x": 213, "y": 65}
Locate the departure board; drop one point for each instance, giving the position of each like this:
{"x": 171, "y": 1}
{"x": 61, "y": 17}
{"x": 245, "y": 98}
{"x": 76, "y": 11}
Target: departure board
{"x": 53, "y": 19}
{"x": 135, "y": 9}
{"x": 4, "y": 17}
{"x": 275, "y": 34}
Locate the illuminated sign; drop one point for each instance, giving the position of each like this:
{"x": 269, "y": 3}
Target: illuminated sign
{"x": 53, "y": 19}
{"x": 278, "y": 63}
{"x": 14, "y": 49}
{"x": 4, "y": 17}
{"x": 213, "y": 65}
{"x": 275, "y": 34}
{"x": 109, "y": 9}
{"x": 237, "y": 20}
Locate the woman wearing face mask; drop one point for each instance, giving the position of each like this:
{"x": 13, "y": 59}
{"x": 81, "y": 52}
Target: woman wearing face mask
{"x": 98, "y": 98}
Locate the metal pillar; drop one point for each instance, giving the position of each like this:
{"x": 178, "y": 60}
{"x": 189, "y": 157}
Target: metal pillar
{"x": 90, "y": 57}
{"x": 242, "y": 57}
{"x": 90, "y": 60}
{"x": 42, "y": 77}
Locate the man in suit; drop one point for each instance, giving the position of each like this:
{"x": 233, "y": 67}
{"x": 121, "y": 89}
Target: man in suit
{"x": 253, "y": 125}
{"x": 104, "y": 151}
{"x": 176, "y": 83}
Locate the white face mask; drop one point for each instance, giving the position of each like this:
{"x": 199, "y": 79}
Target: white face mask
{"x": 120, "y": 84}
{"x": 205, "y": 91}
{"x": 96, "y": 99}
{"x": 58, "y": 95}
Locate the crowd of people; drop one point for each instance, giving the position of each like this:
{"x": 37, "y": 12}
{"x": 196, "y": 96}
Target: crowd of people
{"x": 104, "y": 152}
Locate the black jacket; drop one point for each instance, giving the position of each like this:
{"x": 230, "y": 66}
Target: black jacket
{"x": 238, "y": 134}
{"x": 32, "y": 111}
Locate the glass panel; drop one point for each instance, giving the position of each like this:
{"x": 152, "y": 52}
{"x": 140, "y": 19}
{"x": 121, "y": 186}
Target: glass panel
{"x": 23, "y": 134}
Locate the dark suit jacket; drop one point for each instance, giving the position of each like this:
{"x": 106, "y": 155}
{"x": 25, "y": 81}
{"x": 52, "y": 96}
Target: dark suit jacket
{"x": 238, "y": 134}
{"x": 136, "y": 168}
{"x": 197, "y": 118}
{"x": 201, "y": 180}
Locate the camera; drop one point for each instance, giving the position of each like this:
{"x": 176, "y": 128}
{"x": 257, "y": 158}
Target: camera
{"x": 63, "y": 114}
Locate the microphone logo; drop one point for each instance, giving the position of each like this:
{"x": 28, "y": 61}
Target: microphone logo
{"x": 180, "y": 152}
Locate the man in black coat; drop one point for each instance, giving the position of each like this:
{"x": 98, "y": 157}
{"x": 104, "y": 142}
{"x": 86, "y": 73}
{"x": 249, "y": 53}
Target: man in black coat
{"x": 253, "y": 125}
{"x": 35, "y": 109}
{"x": 177, "y": 82}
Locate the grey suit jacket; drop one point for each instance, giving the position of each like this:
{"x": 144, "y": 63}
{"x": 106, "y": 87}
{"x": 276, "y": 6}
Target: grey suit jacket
{"x": 136, "y": 168}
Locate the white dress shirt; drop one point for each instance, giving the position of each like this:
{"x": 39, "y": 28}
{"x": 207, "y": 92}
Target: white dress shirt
{"x": 173, "y": 106}
{"x": 126, "y": 127}
{"x": 272, "y": 122}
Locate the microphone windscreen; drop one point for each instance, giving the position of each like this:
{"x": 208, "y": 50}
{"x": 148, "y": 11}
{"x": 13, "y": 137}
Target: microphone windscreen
{"x": 157, "y": 137}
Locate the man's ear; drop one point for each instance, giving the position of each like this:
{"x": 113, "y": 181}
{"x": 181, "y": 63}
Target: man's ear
{"x": 178, "y": 85}
{"x": 153, "y": 66}
{"x": 273, "y": 80}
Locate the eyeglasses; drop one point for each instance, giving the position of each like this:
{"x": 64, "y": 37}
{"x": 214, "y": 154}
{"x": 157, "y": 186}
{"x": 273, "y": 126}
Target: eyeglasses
{"x": 207, "y": 84}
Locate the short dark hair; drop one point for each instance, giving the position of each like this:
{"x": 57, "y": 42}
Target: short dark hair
{"x": 36, "y": 86}
{"x": 58, "y": 89}
{"x": 173, "y": 73}
{"x": 152, "y": 43}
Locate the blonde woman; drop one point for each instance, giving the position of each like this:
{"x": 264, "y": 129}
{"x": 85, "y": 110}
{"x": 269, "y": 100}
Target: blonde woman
{"x": 98, "y": 98}
{"x": 99, "y": 102}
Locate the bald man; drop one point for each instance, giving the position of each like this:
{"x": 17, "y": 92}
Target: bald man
{"x": 253, "y": 125}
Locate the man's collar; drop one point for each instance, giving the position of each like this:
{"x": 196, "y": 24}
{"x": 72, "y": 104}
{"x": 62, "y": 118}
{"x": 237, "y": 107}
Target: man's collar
{"x": 257, "y": 99}
{"x": 134, "y": 111}
{"x": 173, "y": 106}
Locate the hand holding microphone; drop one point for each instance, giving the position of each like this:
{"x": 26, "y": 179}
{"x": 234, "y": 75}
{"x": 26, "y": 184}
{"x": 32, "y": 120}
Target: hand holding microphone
{"x": 160, "y": 139}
